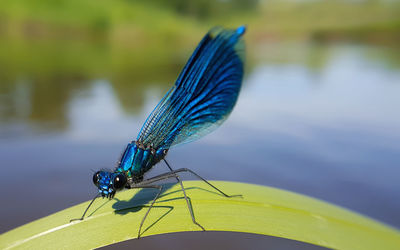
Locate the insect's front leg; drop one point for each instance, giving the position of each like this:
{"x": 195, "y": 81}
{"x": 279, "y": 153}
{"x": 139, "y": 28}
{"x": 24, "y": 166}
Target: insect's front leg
{"x": 83, "y": 215}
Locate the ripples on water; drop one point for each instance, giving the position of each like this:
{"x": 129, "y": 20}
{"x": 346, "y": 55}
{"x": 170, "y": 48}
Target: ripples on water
{"x": 323, "y": 121}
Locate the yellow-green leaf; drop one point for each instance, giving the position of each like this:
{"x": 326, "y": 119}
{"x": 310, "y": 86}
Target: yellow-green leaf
{"x": 261, "y": 210}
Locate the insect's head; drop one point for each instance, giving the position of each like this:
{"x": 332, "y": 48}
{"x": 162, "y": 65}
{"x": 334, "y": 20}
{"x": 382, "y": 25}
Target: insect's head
{"x": 108, "y": 183}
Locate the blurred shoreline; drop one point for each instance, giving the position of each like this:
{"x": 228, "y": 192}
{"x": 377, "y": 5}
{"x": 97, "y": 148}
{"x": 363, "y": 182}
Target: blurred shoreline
{"x": 131, "y": 23}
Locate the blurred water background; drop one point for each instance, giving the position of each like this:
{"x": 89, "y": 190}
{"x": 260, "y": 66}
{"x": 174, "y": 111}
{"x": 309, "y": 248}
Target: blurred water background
{"x": 318, "y": 113}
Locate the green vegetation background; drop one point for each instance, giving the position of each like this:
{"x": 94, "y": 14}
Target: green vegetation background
{"x": 57, "y": 45}
{"x": 103, "y": 34}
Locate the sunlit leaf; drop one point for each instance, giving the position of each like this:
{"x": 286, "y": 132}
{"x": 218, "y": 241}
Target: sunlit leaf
{"x": 262, "y": 210}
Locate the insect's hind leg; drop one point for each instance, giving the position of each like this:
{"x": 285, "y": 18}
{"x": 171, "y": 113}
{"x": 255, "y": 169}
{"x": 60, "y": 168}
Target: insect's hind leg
{"x": 201, "y": 178}
{"x": 173, "y": 174}
{"x": 188, "y": 202}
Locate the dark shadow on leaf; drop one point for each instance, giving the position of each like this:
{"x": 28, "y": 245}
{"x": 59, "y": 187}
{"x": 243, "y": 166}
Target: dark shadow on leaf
{"x": 97, "y": 208}
{"x": 146, "y": 195}
{"x": 140, "y": 199}
{"x": 160, "y": 218}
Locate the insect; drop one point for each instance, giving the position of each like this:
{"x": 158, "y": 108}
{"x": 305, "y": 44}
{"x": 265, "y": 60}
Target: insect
{"x": 201, "y": 99}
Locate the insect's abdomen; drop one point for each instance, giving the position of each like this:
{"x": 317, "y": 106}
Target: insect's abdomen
{"x": 138, "y": 159}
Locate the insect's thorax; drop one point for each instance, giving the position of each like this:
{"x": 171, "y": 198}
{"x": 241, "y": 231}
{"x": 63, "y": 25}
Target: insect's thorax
{"x": 137, "y": 159}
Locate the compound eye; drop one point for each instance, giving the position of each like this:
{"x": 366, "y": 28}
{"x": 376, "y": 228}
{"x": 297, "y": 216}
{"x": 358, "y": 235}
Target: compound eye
{"x": 96, "y": 178}
{"x": 119, "y": 181}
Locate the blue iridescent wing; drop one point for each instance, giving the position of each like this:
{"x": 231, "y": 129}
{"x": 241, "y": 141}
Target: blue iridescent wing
{"x": 204, "y": 93}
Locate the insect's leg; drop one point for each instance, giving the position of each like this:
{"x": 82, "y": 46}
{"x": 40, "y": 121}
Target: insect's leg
{"x": 83, "y": 215}
{"x": 201, "y": 178}
{"x": 189, "y": 204}
{"x": 169, "y": 167}
{"x": 151, "y": 205}
{"x": 173, "y": 175}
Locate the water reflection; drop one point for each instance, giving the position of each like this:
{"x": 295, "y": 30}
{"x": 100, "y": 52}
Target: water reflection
{"x": 43, "y": 101}
{"x": 38, "y": 79}
{"x": 319, "y": 120}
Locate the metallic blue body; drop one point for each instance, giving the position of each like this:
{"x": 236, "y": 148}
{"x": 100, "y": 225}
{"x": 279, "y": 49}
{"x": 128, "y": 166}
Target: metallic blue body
{"x": 137, "y": 160}
{"x": 201, "y": 99}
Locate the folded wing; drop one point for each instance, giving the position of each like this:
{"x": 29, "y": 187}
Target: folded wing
{"x": 203, "y": 95}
